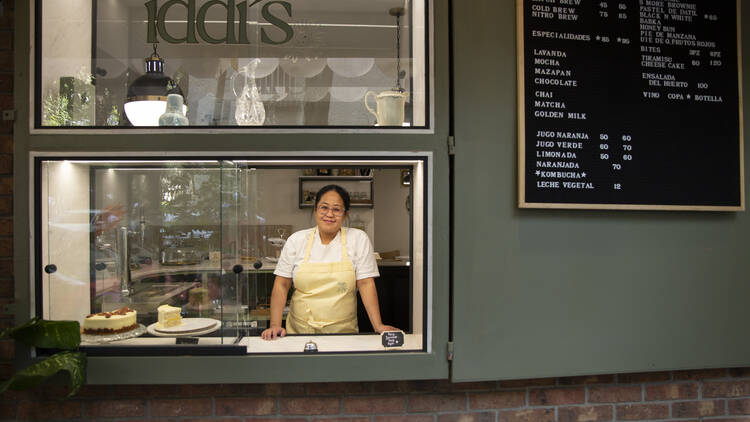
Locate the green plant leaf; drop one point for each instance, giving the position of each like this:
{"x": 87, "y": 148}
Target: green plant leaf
{"x": 45, "y": 334}
{"x": 72, "y": 362}
{"x": 55, "y": 111}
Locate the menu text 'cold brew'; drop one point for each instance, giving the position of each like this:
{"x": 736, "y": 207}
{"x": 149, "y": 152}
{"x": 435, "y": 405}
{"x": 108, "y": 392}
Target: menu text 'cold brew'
{"x": 629, "y": 104}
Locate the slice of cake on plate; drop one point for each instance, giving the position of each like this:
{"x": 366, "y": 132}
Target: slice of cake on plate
{"x": 115, "y": 322}
{"x": 169, "y": 316}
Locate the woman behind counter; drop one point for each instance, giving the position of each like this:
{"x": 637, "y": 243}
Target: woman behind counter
{"x": 328, "y": 264}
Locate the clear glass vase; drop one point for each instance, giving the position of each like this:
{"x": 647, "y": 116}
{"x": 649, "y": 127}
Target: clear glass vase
{"x": 249, "y": 109}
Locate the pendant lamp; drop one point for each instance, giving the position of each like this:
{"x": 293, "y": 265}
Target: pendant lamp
{"x": 147, "y": 95}
{"x": 397, "y": 12}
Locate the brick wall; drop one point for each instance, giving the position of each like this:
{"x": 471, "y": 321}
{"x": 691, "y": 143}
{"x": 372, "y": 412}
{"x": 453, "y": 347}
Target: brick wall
{"x": 6, "y": 181}
{"x": 702, "y": 395}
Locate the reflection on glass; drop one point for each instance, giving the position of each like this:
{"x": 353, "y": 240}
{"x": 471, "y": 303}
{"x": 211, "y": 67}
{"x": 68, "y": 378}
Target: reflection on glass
{"x": 313, "y": 62}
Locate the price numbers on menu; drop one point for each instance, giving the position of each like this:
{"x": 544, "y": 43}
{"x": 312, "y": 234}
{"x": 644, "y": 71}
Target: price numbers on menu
{"x": 616, "y": 156}
{"x": 621, "y": 11}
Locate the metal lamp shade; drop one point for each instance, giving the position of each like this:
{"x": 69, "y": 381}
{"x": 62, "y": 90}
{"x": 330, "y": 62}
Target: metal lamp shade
{"x": 147, "y": 95}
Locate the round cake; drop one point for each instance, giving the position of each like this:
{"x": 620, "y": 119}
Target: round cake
{"x": 104, "y": 323}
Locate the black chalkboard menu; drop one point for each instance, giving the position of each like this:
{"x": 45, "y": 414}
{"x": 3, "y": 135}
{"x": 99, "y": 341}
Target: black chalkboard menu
{"x": 630, "y": 104}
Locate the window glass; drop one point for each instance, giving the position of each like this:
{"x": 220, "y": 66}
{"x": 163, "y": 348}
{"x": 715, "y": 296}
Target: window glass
{"x": 273, "y": 63}
{"x": 147, "y": 252}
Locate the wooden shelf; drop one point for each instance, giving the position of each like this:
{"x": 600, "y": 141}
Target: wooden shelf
{"x": 359, "y": 199}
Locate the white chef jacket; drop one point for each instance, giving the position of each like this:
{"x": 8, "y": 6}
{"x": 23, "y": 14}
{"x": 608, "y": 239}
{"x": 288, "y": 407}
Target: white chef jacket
{"x": 357, "y": 245}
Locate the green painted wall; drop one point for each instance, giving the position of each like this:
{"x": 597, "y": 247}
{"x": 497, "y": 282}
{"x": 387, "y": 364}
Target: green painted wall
{"x": 542, "y": 293}
{"x": 535, "y": 293}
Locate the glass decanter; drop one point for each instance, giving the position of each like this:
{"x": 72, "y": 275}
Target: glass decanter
{"x": 249, "y": 109}
{"x": 173, "y": 116}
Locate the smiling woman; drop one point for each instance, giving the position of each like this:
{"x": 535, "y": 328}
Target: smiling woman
{"x": 327, "y": 264}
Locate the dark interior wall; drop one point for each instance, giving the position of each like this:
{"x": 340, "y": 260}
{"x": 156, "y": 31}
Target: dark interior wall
{"x": 561, "y": 292}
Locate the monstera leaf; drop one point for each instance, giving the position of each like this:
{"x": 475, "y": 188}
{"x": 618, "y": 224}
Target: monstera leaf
{"x": 72, "y": 362}
{"x": 65, "y": 335}
{"x": 44, "y": 334}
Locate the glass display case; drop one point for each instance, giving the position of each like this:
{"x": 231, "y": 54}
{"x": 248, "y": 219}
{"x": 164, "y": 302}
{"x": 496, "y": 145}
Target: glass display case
{"x": 273, "y": 63}
{"x": 148, "y": 252}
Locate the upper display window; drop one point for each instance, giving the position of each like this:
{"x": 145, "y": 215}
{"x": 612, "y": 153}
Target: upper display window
{"x": 229, "y": 63}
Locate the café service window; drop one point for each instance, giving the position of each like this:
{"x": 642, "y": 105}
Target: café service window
{"x": 153, "y": 253}
{"x": 229, "y": 63}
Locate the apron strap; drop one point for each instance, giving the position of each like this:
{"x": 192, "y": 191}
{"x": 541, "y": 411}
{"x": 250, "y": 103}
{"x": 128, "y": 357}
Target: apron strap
{"x": 310, "y": 241}
{"x": 344, "y": 253}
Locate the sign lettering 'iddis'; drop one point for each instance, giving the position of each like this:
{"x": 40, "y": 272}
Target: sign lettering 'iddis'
{"x": 196, "y": 21}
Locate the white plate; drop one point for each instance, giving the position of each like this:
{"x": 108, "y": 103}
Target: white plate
{"x": 189, "y": 327}
{"x": 91, "y": 338}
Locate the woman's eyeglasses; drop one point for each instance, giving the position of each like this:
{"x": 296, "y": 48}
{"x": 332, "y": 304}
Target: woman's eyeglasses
{"x": 325, "y": 209}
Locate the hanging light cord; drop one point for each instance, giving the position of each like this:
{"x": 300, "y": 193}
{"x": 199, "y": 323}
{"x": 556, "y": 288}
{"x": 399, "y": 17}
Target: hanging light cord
{"x": 398, "y": 52}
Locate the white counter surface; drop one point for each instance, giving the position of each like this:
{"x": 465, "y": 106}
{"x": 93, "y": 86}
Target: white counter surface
{"x": 288, "y": 344}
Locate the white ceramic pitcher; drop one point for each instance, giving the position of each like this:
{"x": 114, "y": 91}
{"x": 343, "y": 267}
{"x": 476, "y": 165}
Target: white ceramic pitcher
{"x": 389, "y": 107}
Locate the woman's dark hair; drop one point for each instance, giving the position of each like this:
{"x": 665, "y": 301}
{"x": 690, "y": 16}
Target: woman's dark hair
{"x": 341, "y": 191}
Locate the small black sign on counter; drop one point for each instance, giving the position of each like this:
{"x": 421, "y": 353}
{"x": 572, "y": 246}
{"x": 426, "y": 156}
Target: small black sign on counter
{"x": 392, "y": 338}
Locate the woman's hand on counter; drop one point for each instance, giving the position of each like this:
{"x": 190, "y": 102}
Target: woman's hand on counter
{"x": 272, "y": 333}
{"x": 382, "y": 327}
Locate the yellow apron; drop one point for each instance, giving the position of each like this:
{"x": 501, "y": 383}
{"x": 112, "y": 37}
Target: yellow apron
{"x": 325, "y": 295}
